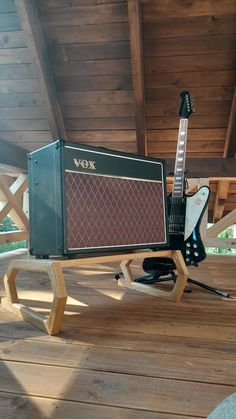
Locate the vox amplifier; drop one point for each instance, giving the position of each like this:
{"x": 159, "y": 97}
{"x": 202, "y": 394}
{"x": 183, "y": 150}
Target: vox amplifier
{"x": 86, "y": 199}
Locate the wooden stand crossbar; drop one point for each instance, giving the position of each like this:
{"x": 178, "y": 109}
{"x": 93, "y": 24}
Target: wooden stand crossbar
{"x": 53, "y": 268}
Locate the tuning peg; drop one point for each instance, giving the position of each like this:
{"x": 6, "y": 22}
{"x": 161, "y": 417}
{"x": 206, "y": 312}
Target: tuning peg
{"x": 192, "y": 103}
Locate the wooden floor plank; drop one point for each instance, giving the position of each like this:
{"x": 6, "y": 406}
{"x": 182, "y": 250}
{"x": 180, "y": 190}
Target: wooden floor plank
{"x": 18, "y": 406}
{"x": 12, "y": 328}
{"x": 121, "y": 353}
{"x": 112, "y": 389}
{"x": 150, "y": 364}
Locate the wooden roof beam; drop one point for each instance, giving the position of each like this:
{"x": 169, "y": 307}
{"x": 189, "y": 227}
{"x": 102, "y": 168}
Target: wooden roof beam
{"x": 12, "y": 158}
{"x": 207, "y": 167}
{"x": 230, "y": 142}
{"x": 136, "y": 46}
{"x": 221, "y": 196}
{"x": 30, "y": 23}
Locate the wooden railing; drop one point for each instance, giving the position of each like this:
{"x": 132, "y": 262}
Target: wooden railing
{"x": 210, "y": 235}
{"x": 12, "y": 189}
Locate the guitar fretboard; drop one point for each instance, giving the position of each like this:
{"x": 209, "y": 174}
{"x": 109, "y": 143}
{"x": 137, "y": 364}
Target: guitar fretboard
{"x": 178, "y": 183}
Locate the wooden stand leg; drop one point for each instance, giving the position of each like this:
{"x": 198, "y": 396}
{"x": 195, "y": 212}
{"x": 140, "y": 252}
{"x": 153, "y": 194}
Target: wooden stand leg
{"x": 173, "y": 295}
{"x": 50, "y": 325}
{"x": 53, "y": 268}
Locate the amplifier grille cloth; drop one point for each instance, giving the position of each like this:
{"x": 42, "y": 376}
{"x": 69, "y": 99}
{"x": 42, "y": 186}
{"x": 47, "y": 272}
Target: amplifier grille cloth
{"x": 106, "y": 211}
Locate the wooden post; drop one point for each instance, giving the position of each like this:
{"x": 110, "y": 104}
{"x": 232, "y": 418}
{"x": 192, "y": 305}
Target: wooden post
{"x": 230, "y": 143}
{"x": 221, "y": 196}
{"x": 136, "y": 46}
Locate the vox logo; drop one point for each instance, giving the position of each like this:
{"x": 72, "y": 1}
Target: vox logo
{"x": 85, "y": 164}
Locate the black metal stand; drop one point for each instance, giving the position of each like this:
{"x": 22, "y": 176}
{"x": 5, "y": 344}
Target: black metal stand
{"x": 152, "y": 279}
{"x": 208, "y": 288}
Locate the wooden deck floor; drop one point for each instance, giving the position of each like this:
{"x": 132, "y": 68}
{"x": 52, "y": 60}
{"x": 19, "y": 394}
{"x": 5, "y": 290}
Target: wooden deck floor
{"x": 121, "y": 354}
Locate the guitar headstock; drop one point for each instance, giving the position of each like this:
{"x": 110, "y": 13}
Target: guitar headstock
{"x": 187, "y": 105}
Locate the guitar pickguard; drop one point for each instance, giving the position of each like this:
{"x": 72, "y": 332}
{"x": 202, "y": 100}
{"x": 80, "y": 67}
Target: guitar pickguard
{"x": 195, "y": 206}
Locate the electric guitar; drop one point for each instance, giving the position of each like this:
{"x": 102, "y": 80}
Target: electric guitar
{"x": 186, "y": 211}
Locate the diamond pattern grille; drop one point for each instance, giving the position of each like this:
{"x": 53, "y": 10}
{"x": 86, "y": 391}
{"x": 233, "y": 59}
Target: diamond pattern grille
{"x": 107, "y": 211}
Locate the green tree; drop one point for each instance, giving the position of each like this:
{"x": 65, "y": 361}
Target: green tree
{"x": 226, "y": 234}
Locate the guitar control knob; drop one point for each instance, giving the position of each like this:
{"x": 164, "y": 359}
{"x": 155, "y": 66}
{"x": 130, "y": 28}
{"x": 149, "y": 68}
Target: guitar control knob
{"x": 188, "y": 244}
{"x": 187, "y": 252}
{"x": 196, "y": 254}
{"x": 195, "y": 245}
{"x": 187, "y": 260}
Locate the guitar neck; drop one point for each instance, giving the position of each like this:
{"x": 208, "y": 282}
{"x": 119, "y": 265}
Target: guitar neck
{"x": 178, "y": 182}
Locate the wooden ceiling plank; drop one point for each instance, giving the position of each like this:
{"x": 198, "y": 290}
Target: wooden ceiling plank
{"x": 136, "y": 45}
{"x": 207, "y": 167}
{"x": 30, "y": 23}
{"x": 230, "y": 142}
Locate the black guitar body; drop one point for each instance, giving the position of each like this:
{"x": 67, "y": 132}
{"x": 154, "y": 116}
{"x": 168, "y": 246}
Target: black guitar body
{"x": 184, "y": 212}
{"x": 192, "y": 249}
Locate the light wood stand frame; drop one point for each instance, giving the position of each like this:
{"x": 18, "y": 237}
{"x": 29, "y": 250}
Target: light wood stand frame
{"x": 54, "y": 267}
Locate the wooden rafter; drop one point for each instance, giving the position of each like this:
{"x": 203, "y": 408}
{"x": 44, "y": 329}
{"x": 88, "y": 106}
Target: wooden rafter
{"x": 221, "y": 196}
{"x": 207, "y": 167}
{"x": 12, "y": 157}
{"x": 230, "y": 143}
{"x": 136, "y": 45}
{"x": 30, "y": 23}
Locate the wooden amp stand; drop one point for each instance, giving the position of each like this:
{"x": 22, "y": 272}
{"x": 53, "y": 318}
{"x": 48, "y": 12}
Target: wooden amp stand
{"x": 54, "y": 267}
